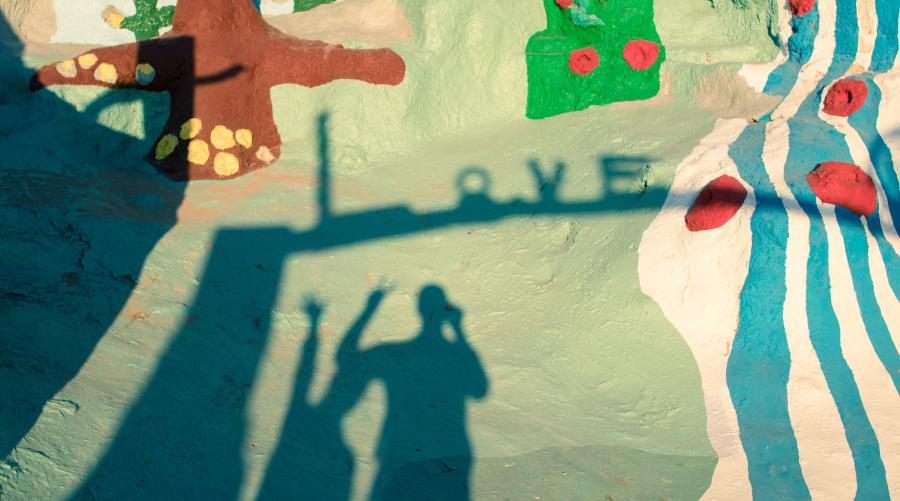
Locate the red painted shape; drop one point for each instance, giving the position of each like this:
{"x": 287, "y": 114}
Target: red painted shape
{"x": 845, "y": 97}
{"x": 717, "y": 202}
{"x": 843, "y": 184}
{"x": 563, "y": 4}
{"x": 583, "y": 61}
{"x": 802, "y": 7}
{"x": 640, "y": 54}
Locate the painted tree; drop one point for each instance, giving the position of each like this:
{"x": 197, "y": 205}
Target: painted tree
{"x": 149, "y": 18}
{"x": 218, "y": 64}
{"x": 592, "y": 52}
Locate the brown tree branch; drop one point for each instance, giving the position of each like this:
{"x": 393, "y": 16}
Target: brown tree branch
{"x": 150, "y": 65}
{"x": 314, "y": 63}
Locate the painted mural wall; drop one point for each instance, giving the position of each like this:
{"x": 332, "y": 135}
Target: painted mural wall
{"x": 394, "y": 249}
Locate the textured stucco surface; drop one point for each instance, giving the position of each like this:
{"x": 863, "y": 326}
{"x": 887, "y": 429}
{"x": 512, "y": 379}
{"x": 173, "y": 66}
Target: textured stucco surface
{"x": 592, "y": 391}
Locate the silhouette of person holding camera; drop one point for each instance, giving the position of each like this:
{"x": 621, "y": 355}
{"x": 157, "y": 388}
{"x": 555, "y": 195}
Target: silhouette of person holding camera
{"x": 423, "y": 450}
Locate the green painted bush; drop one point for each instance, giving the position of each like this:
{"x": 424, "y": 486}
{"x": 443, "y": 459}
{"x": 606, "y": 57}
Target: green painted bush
{"x": 606, "y": 26}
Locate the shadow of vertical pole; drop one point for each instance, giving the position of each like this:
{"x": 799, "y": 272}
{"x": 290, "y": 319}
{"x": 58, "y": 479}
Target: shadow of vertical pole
{"x": 185, "y": 433}
{"x": 324, "y": 192}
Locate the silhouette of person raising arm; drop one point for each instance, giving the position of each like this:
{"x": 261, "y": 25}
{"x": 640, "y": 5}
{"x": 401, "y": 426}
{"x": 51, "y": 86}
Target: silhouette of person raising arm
{"x": 423, "y": 450}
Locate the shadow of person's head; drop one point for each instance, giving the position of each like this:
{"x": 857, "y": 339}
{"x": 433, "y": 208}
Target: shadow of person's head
{"x": 433, "y": 304}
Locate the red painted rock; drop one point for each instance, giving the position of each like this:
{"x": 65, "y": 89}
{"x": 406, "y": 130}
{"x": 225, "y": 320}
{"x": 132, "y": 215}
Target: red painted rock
{"x": 640, "y": 54}
{"x": 563, "y": 4}
{"x": 845, "y": 97}
{"x": 843, "y": 184}
{"x": 802, "y": 7}
{"x": 718, "y": 202}
{"x": 583, "y": 61}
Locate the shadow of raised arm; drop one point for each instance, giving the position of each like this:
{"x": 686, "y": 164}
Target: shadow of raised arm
{"x": 350, "y": 344}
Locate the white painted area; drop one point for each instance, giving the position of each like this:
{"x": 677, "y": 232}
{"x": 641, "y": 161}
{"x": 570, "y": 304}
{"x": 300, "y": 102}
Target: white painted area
{"x": 82, "y": 22}
{"x": 276, "y": 7}
{"x": 868, "y": 25}
{"x": 696, "y": 278}
{"x": 876, "y": 389}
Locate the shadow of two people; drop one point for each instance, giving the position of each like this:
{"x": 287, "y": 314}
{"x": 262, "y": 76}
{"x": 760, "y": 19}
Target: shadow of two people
{"x": 423, "y": 451}
{"x": 188, "y": 430}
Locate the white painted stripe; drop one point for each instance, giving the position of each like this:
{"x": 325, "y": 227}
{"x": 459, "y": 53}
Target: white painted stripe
{"x": 815, "y": 68}
{"x": 867, "y": 20}
{"x": 876, "y": 388}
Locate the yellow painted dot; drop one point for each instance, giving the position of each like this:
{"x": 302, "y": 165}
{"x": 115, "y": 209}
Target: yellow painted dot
{"x": 191, "y": 128}
{"x": 226, "y": 164}
{"x": 222, "y": 137}
{"x": 113, "y": 17}
{"x": 106, "y": 73}
{"x": 67, "y": 68}
{"x": 166, "y": 146}
{"x": 198, "y": 152}
{"x": 244, "y": 138}
{"x": 87, "y": 61}
{"x": 144, "y": 74}
{"x": 265, "y": 155}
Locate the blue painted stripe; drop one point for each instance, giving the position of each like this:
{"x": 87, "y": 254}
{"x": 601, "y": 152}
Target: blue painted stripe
{"x": 800, "y": 46}
{"x": 886, "y": 39}
{"x": 857, "y": 249}
{"x": 759, "y": 365}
